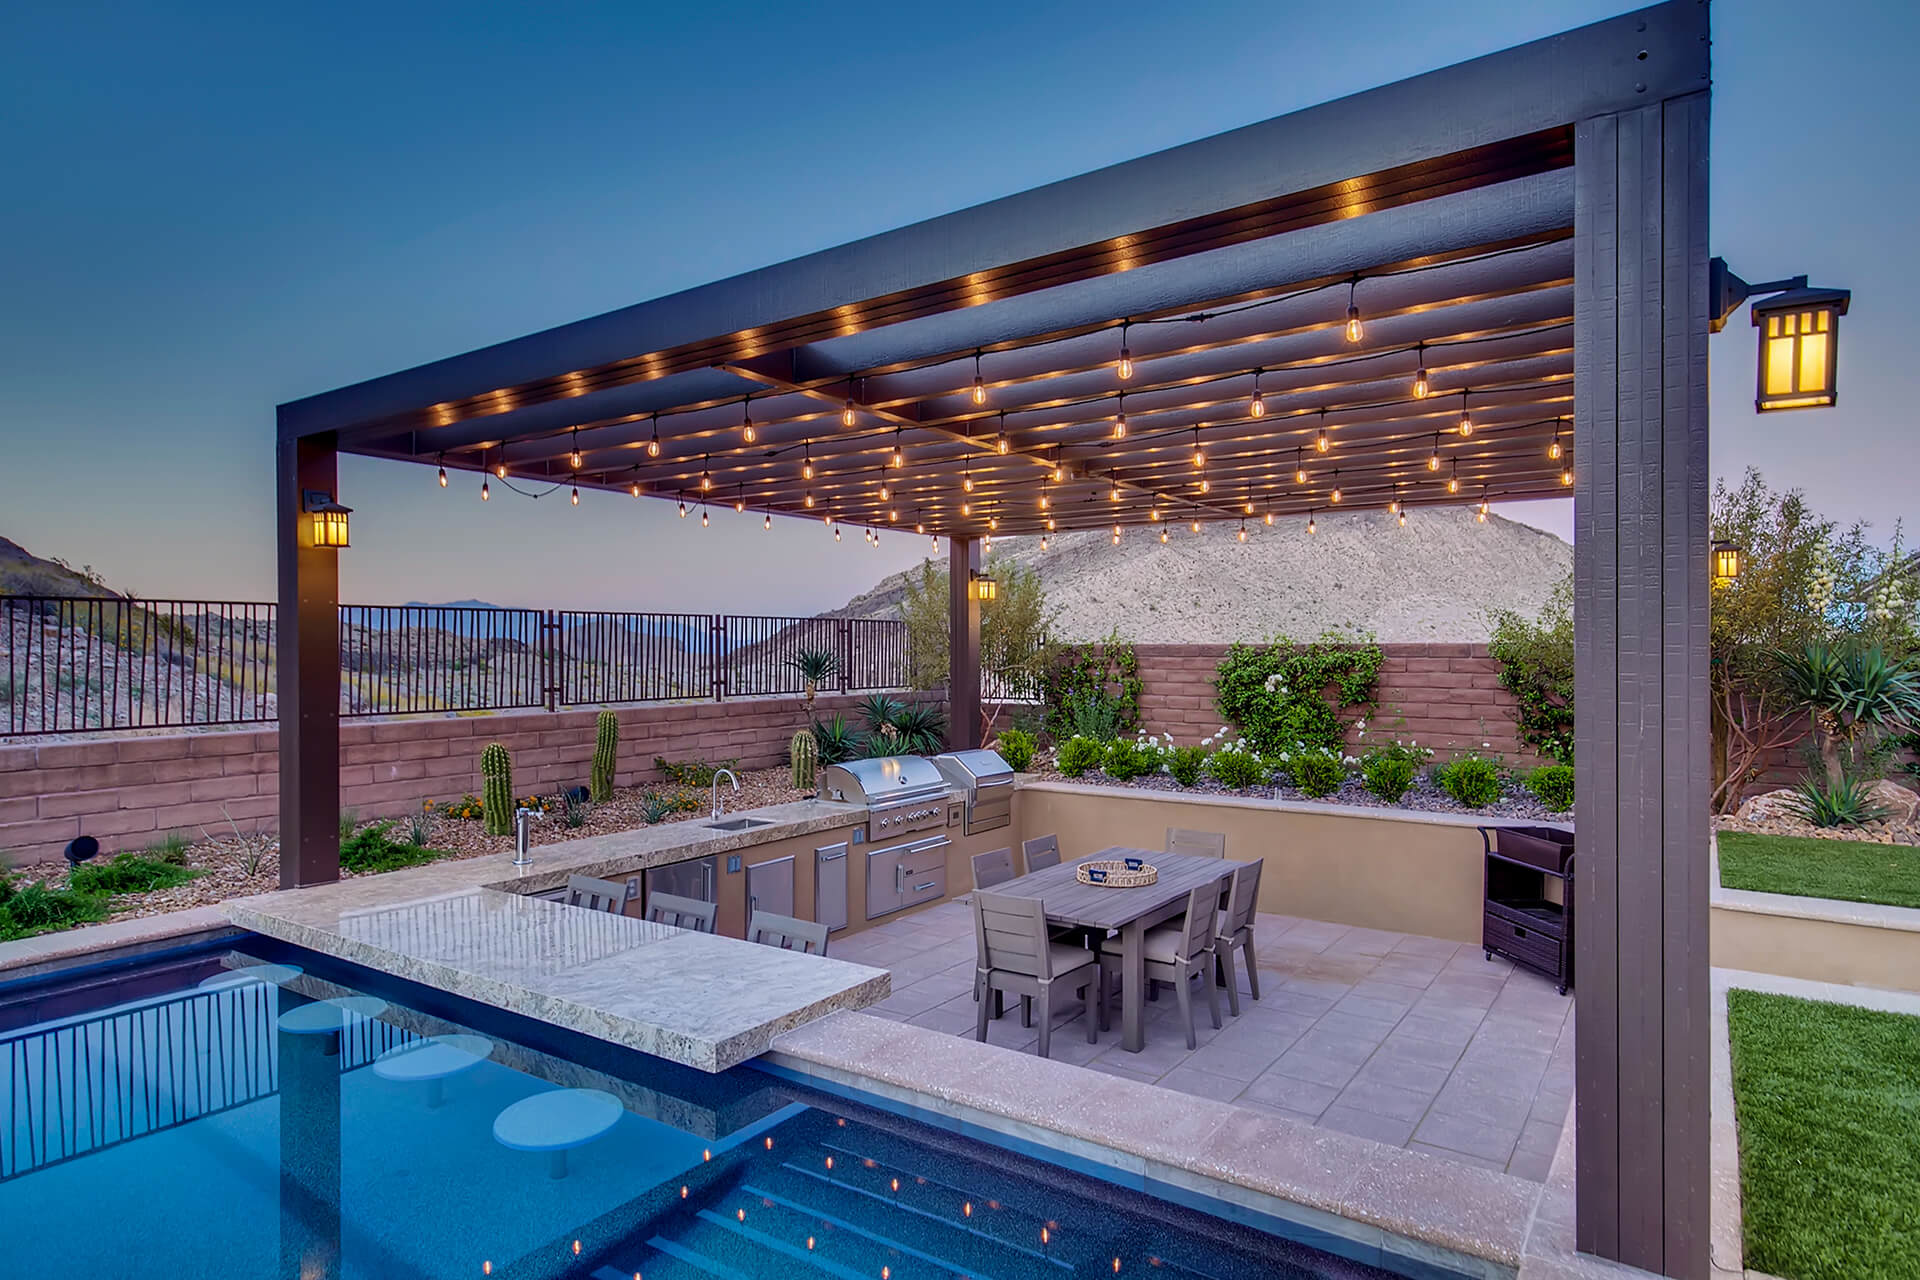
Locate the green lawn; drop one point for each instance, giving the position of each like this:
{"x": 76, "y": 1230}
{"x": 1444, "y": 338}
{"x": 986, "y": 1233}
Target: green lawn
{"x": 1849, "y": 870}
{"x": 1828, "y": 1101}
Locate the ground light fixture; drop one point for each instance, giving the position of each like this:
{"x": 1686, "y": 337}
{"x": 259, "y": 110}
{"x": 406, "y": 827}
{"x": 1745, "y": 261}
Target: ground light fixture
{"x": 1799, "y": 332}
{"x": 1729, "y": 559}
{"x": 327, "y": 519}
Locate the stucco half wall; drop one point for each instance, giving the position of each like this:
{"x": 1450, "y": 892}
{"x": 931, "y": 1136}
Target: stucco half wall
{"x": 1406, "y": 872}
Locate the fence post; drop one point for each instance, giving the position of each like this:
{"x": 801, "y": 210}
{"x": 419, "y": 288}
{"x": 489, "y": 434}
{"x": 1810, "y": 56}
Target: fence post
{"x": 844, "y": 635}
{"x": 721, "y": 658}
{"x": 550, "y": 658}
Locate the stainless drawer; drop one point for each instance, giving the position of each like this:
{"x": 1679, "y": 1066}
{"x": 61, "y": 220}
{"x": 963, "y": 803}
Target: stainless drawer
{"x": 905, "y": 875}
{"x": 990, "y": 810}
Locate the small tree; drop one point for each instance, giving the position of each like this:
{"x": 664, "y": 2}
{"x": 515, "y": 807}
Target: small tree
{"x": 1013, "y": 628}
{"x": 923, "y": 607}
{"x": 1536, "y": 667}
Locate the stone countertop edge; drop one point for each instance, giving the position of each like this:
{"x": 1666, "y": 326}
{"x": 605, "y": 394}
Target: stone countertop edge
{"x": 711, "y": 1055}
{"x": 1310, "y": 807}
{"x": 48, "y": 952}
{"x": 1794, "y": 906}
{"x": 1407, "y": 1203}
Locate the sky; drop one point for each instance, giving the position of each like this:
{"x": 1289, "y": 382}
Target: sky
{"x": 209, "y": 209}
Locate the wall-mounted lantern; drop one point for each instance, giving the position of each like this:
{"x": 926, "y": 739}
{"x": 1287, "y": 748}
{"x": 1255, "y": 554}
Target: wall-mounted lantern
{"x": 982, "y": 587}
{"x": 326, "y": 519}
{"x": 1728, "y": 560}
{"x": 1799, "y": 337}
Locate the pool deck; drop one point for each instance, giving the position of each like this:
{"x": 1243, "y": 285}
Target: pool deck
{"x": 469, "y": 928}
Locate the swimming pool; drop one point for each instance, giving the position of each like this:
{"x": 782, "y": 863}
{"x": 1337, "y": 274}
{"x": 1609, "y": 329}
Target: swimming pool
{"x": 259, "y": 1112}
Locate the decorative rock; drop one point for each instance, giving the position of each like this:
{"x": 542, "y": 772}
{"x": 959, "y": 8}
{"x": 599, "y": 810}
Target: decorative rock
{"x": 1772, "y": 806}
{"x": 1901, "y": 804}
{"x": 555, "y": 1121}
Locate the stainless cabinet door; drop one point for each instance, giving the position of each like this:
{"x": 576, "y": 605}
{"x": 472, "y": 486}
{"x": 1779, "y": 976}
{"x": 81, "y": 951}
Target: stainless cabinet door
{"x": 770, "y": 886}
{"x": 830, "y": 886}
{"x": 694, "y": 879}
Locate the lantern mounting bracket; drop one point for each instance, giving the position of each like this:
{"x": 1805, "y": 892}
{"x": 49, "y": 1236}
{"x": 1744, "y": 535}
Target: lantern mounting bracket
{"x": 1726, "y": 292}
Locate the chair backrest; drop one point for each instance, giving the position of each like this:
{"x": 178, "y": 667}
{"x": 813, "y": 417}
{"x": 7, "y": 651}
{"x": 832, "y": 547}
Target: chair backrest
{"x": 1242, "y": 899}
{"x": 1197, "y": 929}
{"x": 1010, "y": 934}
{"x": 787, "y": 932}
{"x": 995, "y": 867}
{"x": 685, "y": 913}
{"x": 1196, "y": 844}
{"x": 1042, "y": 852}
{"x": 596, "y": 895}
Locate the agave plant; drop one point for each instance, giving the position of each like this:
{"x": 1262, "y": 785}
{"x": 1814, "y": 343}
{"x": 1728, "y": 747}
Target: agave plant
{"x": 837, "y": 740}
{"x": 922, "y": 728}
{"x": 1846, "y": 803}
{"x": 880, "y": 712}
{"x": 816, "y": 667}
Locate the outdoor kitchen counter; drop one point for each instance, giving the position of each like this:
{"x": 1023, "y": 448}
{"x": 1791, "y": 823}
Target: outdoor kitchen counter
{"x": 470, "y": 928}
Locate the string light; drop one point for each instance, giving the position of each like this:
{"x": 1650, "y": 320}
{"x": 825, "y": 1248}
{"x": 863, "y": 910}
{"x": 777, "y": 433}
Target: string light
{"x": 1243, "y": 531}
{"x": 1299, "y": 467}
{"x": 576, "y": 495}
{"x": 500, "y": 467}
{"x": 1196, "y": 524}
{"x": 1420, "y": 387}
{"x": 809, "y": 500}
{"x": 846, "y": 413}
{"x": 574, "y": 457}
{"x": 703, "y": 515}
{"x": 1433, "y": 461}
{"x": 966, "y": 508}
{"x": 1113, "y": 494}
{"x": 1453, "y": 476}
{"x": 1000, "y": 441}
{"x": 443, "y": 471}
{"x": 1125, "y": 368}
{"x": 1163, "y": 537}
{"x": 683, "y": 508}
{"x": 979, "y": 387}
{"x": 1199, "y": 456}
{"x": 1267, "y": 519}
{"x": 634, "y": 488}
{"x": 1059, "y": 472}
{"x": 1320, "y": 442}
{"x": 1554, "y": 450}
{"x": 653, "y": 442}
{"x": 1466, "y": 419}
{"x": 836, "y": 531}
{"x": 483, "y": 489}
{"x": 1044, "y": 501}
{"x": 893, "y": 515}
{"x": 1394, "y": 506}
{"x": 1116, "y": 535}
{"x": 1258, "y": 408}
{"x": 706, "y": 480}
{"x": 1050, "y": 525}
{"x": 1353, "y": 310}
{"x": 899, "y": 458}
{"x": 740, "y": 498}
{"x": 806, "y": 460}
{"x": 1120, "y": 419}
{"x": 936, "y": 544}
{"x": 1566, "y": 476}
{"x": 1312, "y": 527}
{"x": 1483, "y": 506}
{"x": 746, "y": 419}
{"x": 1403, "y": 519}
{"x": 766, "y": 521}
{"x": 1043, "y": 542}
{"x": 919, "y": 525}
{"x": 1336, "y": 484}
{"x": 1206, "y": 486}
{"x": 1249, "y": 507}
{"x": 885, "y": 493}
{"x": 966, "y": 478}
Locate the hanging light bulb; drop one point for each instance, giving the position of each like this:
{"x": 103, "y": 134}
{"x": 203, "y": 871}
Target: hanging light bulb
{"x": 829, "y": 519}
{"x": 483, "y": 490}
{"x": 1248, "y": 508}
{"x": 766, "y": 521}
{"x": 1043, "y": 500}
{"x": 1154, "y": 514}
{"x": 966, "y": 478}
{"x": 443, "y": 474}
{"x": 1000, "y": 441}
{"x": 576, "y": 495}
{"x": 683, "y": 508}
{"x": 1394, "y": 506}
{"x": 1196, "y": 524}
{"x": 1059, "y": 472}
{"x": 746, "y": 420}
{"x": 1049, "y": 524}
{"x": 1116, "y": 535}
{"x": 1199, "y": 455}
{"x": 809, "y": 499}
{"x": 966, "y": 508}
{"x": 1257, "y": 409}
{"x": 1163, "y": 537}
{"x": 1433, "y": 459}
{"x": 1205, "y": 485}
{"x": 885, "y": 493}
{"x": 740, "y": 499}
{"x": 979, "y": 387}
{"x": 1554, "y": 450}
{"x": 706, "y": 480}
{"x": 1336, "y": 484}
{"x": 1566, "y": 476}
{"x": 500, "y": 468}
{"x": 1267, "y": 519}
{"x": 893, "y": 515}
{"x": 1453, "y": 477}
{"x": 806, "y": 462}
{"x": 1120, "y": 419}
{"x": 1243, "y": 531}
{"x": 836, "y": 533}
{"x": 703, "y": 515}
{"x": 1420, "y": 385}
{"x": 1312, "y": 526}
{"x": 899, "y": 458}
{"x": 653, "y": 441}
{"x": 634, "y": 488}
{"x": 1320, "y": 442}
{"x": 846, "y": 411}
{"x": 1466, "y": 419}
{"x": 1403, "y": 519}
{"x": 1125, "y": 368}
{"x": 936, "y": 544}
{"x": 574, "y": 458}
{"x": 1353, "y": 311}
{"x": 919, "y": 525}
{"x": 1113, "y": 494}
{"x": 1299, "y": 467}
{"x": 1043, "y": 542}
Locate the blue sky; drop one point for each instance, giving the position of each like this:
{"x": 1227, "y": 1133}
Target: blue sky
{"x": 213, "y": 208}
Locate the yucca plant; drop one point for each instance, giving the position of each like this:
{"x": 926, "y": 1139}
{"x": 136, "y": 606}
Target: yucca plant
{"x": 880, "y": 712}
{"x": 816, "y": 667}
{"x": 837, "y": 739}
{"x": 1846, "y": 803}
{"x": 922, "y": 727}
{"x": 1855, "y": 698}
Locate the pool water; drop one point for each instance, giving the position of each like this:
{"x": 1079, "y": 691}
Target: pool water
{"x": 188, "y": 1118}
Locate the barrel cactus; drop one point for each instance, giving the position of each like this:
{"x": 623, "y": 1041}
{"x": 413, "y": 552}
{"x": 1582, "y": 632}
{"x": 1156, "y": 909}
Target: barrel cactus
{"x": 804, "y": 752}
{"x": 496, "y": 789}
{"x": 605, "y": 743}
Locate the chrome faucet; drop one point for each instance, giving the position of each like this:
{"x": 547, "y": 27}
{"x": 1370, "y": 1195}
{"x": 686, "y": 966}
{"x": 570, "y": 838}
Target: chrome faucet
{"x": 522, "y": 846}
{"x": 713, "y": 792}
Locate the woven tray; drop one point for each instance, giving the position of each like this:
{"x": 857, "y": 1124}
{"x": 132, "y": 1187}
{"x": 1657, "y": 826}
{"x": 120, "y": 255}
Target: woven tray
{"x": 1112, "y": 873}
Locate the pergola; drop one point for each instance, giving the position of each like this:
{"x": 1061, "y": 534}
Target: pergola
{"x": 1489, "y": 282}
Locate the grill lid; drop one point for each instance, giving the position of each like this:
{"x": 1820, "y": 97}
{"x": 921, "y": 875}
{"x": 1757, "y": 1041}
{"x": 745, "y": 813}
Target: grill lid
{"x": 970, "y": 770}
{"x": 884, "y": 780}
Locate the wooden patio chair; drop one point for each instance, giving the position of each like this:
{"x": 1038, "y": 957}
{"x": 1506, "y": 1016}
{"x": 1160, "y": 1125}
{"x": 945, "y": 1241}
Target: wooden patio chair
{"x": 788, "y": 933}
{"x": 1042, "y": 852}
{"x": 1236, "y": 930}
{"x": 1177, "y": 953}
{"x": 597, "y": 895}
{"x": 992, "y": 868}
{"x": 1016, "y": 955}
{"x": 684, "y": 913}
{"x": 1196, "y": 844}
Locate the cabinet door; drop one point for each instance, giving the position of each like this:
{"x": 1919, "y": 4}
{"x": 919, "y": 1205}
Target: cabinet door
{"x": 770, "y": 887}
{"x": 830, "y": 886}
{"x": 693, "y": 879}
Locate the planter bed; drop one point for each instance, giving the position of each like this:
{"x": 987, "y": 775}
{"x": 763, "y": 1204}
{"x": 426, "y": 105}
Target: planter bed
{"x": 1422, "y": 797}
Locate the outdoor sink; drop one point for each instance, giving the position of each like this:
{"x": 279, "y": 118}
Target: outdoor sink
{"x": 739, "y": 824}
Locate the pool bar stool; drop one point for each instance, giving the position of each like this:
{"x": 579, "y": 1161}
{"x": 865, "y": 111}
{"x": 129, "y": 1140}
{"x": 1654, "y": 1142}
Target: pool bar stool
{"x": 555, "y": 1122}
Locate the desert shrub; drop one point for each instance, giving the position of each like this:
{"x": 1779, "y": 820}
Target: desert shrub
{"x": 1473, "y": 781}
{"x": 1284, "y": 696}
{"x": 467, "y": 808}
{"x": 129, "y": 873}
{"x": 1128, "y": 760}
{"x": 171, "y": 847}
{"x": 922, "y": 728}
{"x": 27, "y": 909}
{"x": 1016, "y": 748}
{"x": 658, "y": 806}
{"x": 697, "y": 773}
{"x": 1553, "y": 784}
{"x": 1186, "y": 764}
{"x": 1316, "y": 771}
{"x": 1387, "y": 771}
{"x": 575, "y": 806}
{"x": 1077, "y": 755}
{"x": 1843, "y": 803}
{"x": 420, "y": 827}
{"x": 1096, "y": 714}
{"x": 372, "y": 848}
{"x": 1104, "y": 674}
{"x": 1236, "y": 767}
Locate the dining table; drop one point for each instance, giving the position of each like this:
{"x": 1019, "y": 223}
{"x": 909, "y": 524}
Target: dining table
{"x": 1131, "y": 911}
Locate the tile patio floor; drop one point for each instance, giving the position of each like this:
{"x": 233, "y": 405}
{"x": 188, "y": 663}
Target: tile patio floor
{"x": 1407, "y": 1040}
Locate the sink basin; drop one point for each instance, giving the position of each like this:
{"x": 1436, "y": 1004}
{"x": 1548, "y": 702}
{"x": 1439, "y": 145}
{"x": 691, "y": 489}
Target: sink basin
{"x": 738, "y": 824}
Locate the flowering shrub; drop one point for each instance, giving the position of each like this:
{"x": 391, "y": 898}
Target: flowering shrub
{"x": 1387, "y": 771}
{"x": 1284, "y": 697}
{"x": 1236, "y": 765}
{"x": 1553, "y": 784}
{"x": 1472, "y": 780}
{"x": 1077, "y": 755}
{"x": 466, "y": 807}
{"x": 1317, "y": 771}
{"x": 1016, "y": 747}
{"x": 1186, "y": 764}
{"x": 1128, "y": 760}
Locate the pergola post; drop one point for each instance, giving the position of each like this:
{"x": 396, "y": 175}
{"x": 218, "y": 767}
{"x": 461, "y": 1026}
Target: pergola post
{"x": 1640, "y": 654}
{"x": 307, "y": 656}
{"x": 963, "y": 648}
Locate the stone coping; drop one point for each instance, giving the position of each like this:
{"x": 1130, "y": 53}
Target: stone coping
{"x": 1872, "y": 915}
{"x": 47, "y": 952}
{"x": 1316, "y": 807}
{"x": 1380, "y": 1201}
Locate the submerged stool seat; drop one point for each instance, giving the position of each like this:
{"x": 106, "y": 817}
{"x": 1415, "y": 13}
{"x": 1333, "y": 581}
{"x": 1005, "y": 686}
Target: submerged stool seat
{"x": 433, "y": 1061}
{"x": 278, "y": 975}
{"x": 321, "y": 1017}
{"x": 555, "y": 1122}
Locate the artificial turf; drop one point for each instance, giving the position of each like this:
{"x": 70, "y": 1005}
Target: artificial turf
{"x": 1848, "y": 870}
{"x": 1828, "y": 1102}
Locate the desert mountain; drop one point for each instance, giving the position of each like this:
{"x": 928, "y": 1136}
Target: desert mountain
{"x": 1431, "y": 581}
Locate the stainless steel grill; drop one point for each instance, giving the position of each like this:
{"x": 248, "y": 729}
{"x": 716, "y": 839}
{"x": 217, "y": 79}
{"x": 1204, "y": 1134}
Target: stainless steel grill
{"x": 986, "y": 781}
{"x": 902, "y": 793}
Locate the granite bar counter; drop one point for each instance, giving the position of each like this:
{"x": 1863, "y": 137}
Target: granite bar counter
{"x": 469, "y": 927}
